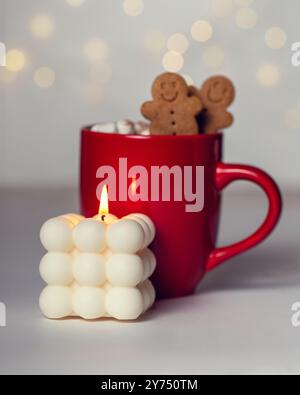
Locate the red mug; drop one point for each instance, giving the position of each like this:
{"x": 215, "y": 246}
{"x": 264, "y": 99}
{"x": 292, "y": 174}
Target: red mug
{"x": 185, "y": 243}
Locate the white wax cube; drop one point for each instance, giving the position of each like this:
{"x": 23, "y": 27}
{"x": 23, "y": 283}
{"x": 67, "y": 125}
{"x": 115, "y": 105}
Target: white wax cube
{"x": 56, "y": 235}
{"x": 125, "y": 270}
{"x": 97, "y": 268}
{"x": 56, "y": 268}
{"x": 89, "y": 236}
{"x": 89, "y": 302}
{"x": 89, "y": 269}
{"x": 124, "y": 303}
{"x": 56, "y": 302}
{"x": 125, "y": 236}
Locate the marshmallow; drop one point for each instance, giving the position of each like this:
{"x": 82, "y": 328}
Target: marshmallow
{"x": 125, "y": 127}
{"x": 104, "y": 128}
{"x": 56, "y": 235}
{"x": 89, "y": 236}
{"x": 142, "y": 128}
{"x": 56, "y": 268}
{"x": 89, "y": 302}
{"x": 124, "y": 303}
{"x": 125, "y": 236}
{"x": 125, "y": 270}
{"x": 56, "y": 302}
{"x": 89, "y": 269}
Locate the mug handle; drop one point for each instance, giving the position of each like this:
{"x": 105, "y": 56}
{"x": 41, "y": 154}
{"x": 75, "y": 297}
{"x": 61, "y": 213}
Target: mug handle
{"x": 225, "y": 175}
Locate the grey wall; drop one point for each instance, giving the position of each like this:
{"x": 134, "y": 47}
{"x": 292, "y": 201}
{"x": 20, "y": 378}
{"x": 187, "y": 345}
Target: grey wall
{"x": 40, "y": 127}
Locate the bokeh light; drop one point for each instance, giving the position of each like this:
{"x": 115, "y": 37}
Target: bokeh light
{"x": 173, "y": 61}
{"x": 44, "y": 77}
{"x": 222, "y": 8}
{"x": 214, "y": 57}
{"x": 246, "y": 18}
{"x": 15, "y": 60}
{"x": 275, "y": 37}
{"x": 101, "y": 72}
{"x": 155, "y": 41}
{"x": 269, "y": 75}
{"x": 188, "y": 79}
{"x": 96, "y": 49}
{"x": 201, "y": 31}
{"x": 42, "y": 26}
{"x": 178, "y": 43}
{"x": 133, "y": 7}
{"x": 75, "y": 3}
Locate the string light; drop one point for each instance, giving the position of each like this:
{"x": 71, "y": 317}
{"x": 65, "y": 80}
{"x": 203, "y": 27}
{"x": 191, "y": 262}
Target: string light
{"x": 201, "y": 31}
{"x": 42, "y": 26}
{"x": 214, "y": 57}
{"x": 133, "y": 7}
{"x": 96, "y": 49}
{"x": 269, "y": 75}
{"x": 246, "y": 18}
{"x": 275, "y": 37}
{"x": 155, "y": 41}
{"x": 178, "y": 43}
{"x": 15, "y": 60}
{"x": 222, "y": 8}
{"x": 188, "y": 79}
{"x": 173, "y": 61}
{"x": 44, "y": 77}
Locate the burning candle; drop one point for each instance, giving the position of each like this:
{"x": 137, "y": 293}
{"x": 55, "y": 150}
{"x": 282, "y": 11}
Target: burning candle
{"x": 97, "y": 267}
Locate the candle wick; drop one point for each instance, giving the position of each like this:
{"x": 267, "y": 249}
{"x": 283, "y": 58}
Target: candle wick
{"x": 103, "y": 217}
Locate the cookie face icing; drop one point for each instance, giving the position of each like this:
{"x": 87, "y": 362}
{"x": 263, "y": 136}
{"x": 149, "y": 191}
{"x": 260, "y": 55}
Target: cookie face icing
{"x": 172, "y": 111}
{"x": 169, "y": 87}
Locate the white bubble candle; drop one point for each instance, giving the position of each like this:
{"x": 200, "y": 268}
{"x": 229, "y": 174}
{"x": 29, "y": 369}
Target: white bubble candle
{"x": 97, "y": 267}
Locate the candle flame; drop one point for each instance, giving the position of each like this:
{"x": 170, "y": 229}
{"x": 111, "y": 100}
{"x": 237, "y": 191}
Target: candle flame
{"x": 103, "y": 208}
{"x": 133, "y": 186}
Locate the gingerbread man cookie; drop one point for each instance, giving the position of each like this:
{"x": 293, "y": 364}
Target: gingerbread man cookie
{"x": 172, "y": 111}
{"x": 217, "y": 93}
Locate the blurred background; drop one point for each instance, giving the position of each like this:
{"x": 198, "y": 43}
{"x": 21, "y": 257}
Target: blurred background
{"x": 75, "y": 62}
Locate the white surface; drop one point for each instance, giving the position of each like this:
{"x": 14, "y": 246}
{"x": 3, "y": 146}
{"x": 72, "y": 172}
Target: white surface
{"x": 40, "y": 127}
{"x": 239, "y": 321}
